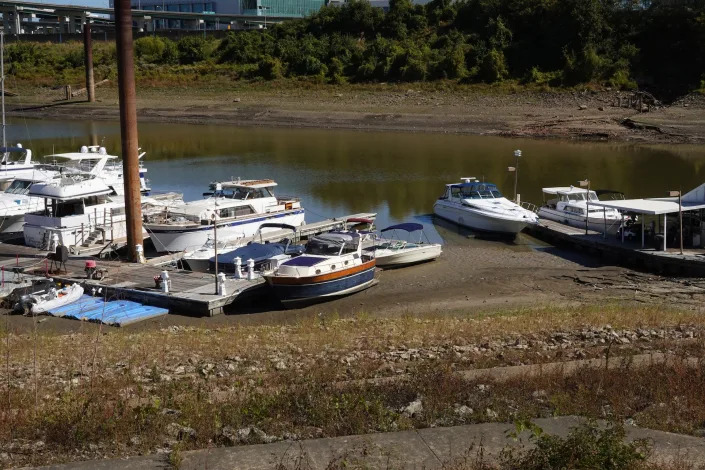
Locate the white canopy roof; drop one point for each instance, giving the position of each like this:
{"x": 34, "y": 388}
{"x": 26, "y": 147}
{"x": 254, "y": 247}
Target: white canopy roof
{"x": 693, "y": 200}
{"x": 81, "y": 156}
{"x": 563, "y": 190}
{"x": 249, "y": 184}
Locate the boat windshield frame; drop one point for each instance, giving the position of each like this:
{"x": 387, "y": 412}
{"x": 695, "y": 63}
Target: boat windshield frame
{"x": 19, "y": 186}
{"x": 475, "y": 190}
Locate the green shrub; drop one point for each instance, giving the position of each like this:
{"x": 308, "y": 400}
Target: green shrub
{"x": 588, "y": 446}
{"x": 191, "y": 49}
{"x": 270, "y": 68}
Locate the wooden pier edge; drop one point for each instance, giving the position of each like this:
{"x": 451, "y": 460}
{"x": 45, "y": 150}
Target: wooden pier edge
{"x": 656, "y": 262}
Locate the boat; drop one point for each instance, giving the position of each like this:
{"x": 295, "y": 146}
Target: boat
{"x": 569, "y": 205}
{"x": 236, "y": 208}
{"x": 54, "y": 298}
{"x": 396, "y": 253}
{"x": 332, "y": 265}
{"x": 21, "y": 166}
{"x": 481, "y": 207}
{"x": 80, "y": 211}
{"x": 266, "y": 256}
{"x": 16, "y": 201}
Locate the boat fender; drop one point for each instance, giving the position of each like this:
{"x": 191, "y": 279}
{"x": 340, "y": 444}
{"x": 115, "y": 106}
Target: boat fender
{"x": 221, "y": 284}
{"x": 250, "y": 269}
{"x": 238, "y": 267}
{"x": 165, "y": 282}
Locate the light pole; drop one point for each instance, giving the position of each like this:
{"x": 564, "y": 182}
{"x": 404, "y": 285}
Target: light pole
{"x": 218, "y": 189}
{"x": 680, "y": 215}
{"x": 584, "y": 183}
{"x": 515, "y": 169}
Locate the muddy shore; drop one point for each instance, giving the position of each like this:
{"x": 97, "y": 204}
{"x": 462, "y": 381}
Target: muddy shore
{"x": 587, "y": 115}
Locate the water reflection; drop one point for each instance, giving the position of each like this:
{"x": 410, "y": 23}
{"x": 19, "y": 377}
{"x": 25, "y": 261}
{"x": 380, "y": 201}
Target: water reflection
{"x": 398, "y": 175}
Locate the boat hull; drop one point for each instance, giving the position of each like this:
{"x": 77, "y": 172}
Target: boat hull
{"x": 477, "y": 221}
{"x": 406, "y": 257}
{"x": 292, "y": 291}
{"x": 596, "y": 224}
{"x": 186, "y": 239}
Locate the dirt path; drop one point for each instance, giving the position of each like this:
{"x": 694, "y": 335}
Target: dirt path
{"x": 573, "y": 115}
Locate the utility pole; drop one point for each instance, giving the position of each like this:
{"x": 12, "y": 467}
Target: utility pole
{"x": 88, "y": 59}
{"x": 2, "y": 85}
{"x": 680, "y": 214}
{"x": 128, "y": 127}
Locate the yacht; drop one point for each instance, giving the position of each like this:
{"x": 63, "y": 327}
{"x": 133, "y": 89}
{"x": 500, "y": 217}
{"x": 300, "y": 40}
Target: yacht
{"x": 16, "y": 200}
{"x": 235, "y": 208}
{"x": 480, "y": 206}
{"x": 81, "y": 212}
{"x": 333, "y": 264}
{"x": 570, "y": 206}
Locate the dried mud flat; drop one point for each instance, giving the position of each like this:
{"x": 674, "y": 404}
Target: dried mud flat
{"x": 588, "y": 115}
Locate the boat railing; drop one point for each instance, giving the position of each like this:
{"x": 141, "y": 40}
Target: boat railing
{"x": 530, "y": 206}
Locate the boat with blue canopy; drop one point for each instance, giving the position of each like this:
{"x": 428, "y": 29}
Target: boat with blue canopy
{"x": 395, "y": 252}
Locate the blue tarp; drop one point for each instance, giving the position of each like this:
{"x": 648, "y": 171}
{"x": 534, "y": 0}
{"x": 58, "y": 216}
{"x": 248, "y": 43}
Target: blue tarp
{"x": 113, "y": 312}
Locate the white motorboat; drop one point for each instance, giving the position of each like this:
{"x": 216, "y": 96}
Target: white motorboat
{"x": 16, "y": 162}
{"x": 397, "y": 253}
{"x": 81, "y": 210}
{"x": 480, "y": 206}
{"x": 569, "y": 205}
{"x": 333, "y": 265}
{"x": 16, "y": 201}
{"x": 236, "y": 208}
{"x": 55, "y": 298}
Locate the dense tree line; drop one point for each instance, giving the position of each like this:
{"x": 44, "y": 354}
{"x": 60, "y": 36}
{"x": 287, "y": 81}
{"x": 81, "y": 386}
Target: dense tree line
{"x": 622, "y": 43}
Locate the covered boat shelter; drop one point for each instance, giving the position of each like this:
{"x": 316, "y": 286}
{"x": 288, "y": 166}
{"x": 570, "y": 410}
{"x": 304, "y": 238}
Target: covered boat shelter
{"x": 691, "y": 201}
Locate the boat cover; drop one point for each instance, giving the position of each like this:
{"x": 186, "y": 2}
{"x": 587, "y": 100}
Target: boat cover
{"x": 409, "y": 227}
{"x": 259, "y": 252}
{"x": 114, "y": 312}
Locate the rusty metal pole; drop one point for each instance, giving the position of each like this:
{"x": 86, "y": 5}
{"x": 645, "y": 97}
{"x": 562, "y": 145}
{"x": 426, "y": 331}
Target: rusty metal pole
{"x": 128, "y": 126}
{"x": 88, "y": 59}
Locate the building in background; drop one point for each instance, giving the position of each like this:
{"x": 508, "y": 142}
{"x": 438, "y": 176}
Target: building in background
{"x": 292, "y": 8}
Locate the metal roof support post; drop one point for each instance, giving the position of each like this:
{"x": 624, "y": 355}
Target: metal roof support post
{"x": 664, "y": 232}
{"x": 88, "y": 59}
{"x": 622, "y": 227}
{"x": 642, "y": 231}
{"x": 128, "y": 126}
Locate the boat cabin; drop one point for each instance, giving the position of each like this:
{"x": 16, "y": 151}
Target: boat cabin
{"x": 333, "y": 244}
{"x": 563, "y": 196}
{"x": 242, "y": 189}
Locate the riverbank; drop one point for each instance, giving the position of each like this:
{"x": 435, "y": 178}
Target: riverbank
{"x": 479, "y": 110}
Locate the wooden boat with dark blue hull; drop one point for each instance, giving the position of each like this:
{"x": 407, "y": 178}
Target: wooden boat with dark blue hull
{"x": 332, "y": 266}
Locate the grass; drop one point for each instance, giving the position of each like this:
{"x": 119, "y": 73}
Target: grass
{"x": 93, "y": 392}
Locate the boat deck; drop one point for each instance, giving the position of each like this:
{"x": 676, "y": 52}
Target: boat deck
{"x": 630, "y": 253}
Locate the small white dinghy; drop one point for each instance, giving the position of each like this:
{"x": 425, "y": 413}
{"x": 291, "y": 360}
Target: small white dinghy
{"x": 397, "y": 253}
{"x": 56, "y": 298}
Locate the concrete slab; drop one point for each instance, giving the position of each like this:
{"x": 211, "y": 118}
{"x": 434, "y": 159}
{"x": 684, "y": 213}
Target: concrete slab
{"x": 423, "y": 449}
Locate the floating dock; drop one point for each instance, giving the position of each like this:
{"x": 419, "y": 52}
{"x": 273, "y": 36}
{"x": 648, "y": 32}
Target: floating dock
{"x": 627, "y": 253}
{"x": 190, "y": 292}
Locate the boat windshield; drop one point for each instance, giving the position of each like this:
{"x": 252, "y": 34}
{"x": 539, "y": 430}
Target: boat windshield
{"x": 244, "y": 193}
{"x": 479, "y": 191}
{"x": 324, "y": 246}
{"x": 19, "y": 187}
{"x": 581, "y": 196}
